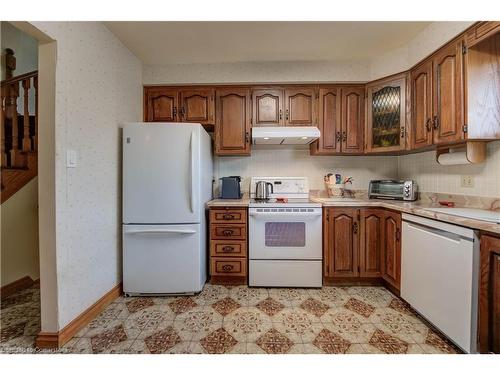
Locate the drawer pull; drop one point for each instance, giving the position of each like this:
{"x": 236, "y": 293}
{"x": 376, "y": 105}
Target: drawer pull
{"x": 227, "y": 249}
{"x": 227, "y": 232}
{"x": 228, "y": 217}
{"x": 227, "y": 267}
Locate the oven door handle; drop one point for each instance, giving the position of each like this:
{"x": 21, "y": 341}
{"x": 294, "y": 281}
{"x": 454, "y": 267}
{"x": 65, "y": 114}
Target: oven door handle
{"x": 285, "y": 214}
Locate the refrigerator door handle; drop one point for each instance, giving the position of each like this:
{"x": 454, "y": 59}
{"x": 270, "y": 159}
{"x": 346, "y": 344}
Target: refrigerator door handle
{"x": 160, "y": 231}
{"x": 191, "y": 199}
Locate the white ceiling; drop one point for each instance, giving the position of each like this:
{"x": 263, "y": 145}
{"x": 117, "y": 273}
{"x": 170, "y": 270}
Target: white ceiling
{"x": 217, "y": 42}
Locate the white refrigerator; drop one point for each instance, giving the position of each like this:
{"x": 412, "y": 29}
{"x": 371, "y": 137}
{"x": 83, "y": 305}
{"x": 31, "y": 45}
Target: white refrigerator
{"x": 167, "y": 180}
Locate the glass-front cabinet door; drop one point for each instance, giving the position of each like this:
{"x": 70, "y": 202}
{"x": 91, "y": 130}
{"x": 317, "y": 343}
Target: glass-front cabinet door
{"x": 386, "y": 115}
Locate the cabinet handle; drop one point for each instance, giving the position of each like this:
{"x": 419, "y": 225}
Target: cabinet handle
{"x": 339, "y": 137}
{"x": 436, "y": 122}
{"x": 281, "y": 114}
{"x": 247, "y": 137}
{"x": 228, "y": 217}
{"x": 286, "y": 114}
{"x": 227, "y": 267}
{"x": 227, "y": 232}
{"x": 183, "y": 111}
{"x": 174, "y": 113}
{"x": 227, "y": 249}
{"x": 344, "y": 136}
{"x": 402, "y": 132}
{"x": 428, "y": 124}
{"x": 355, "y": 228}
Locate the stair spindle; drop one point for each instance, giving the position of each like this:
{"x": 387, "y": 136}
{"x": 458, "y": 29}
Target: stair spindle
{"x": 3, "y": 156}
{"x": 14, "y": 151}
{"x": 26, "y": 125}
{"x": 35, "y": 137}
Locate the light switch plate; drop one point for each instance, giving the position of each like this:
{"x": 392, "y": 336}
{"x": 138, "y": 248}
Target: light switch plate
{"x": 71, "y": 159}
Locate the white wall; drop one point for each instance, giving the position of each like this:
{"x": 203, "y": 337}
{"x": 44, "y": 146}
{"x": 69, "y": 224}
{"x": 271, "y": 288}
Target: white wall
{"x": 285, "y": 162}
{"x": 423, "y": 44}
{"x": 258, "y": 72}
{"x": 19, "y": 242}
{"x": 98, "y": 86}
{"x": 432, "y": 177}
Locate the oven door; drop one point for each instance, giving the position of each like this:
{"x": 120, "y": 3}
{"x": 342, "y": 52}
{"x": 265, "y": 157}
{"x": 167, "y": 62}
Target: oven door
{"x": 285, "y": 233}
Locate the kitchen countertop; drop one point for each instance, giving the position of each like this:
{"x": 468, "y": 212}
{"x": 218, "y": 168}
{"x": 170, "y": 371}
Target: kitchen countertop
{"x": 416, "y": 208}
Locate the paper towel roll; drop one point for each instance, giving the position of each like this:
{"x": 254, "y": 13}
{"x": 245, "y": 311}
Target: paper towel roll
{"x": 453, "y": 158}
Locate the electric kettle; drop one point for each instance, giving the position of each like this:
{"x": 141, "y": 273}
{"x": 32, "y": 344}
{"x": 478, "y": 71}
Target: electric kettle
{"x": 263, "y": 190}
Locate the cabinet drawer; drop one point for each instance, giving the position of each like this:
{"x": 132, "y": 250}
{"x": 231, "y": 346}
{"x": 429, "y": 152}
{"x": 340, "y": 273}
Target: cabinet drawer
{"x": 228, "y": 267}
{"x": 233, "y": 232}
{"x": 228, "y": 216}
{"x": 223, "y": 248}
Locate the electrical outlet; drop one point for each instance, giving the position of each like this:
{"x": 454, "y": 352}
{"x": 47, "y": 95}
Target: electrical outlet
{"x": 467, "y": 181}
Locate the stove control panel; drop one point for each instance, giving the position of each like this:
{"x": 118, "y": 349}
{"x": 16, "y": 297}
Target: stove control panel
{"x": 285, "y": 187}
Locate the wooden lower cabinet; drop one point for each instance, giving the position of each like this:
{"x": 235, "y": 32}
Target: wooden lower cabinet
{"x": 341, "y": 242}
{"x": 391, "y": 245}
{"x": 489, "y": 295}
{"x": 362, "y": 244}
{"x": 228, "y": 245}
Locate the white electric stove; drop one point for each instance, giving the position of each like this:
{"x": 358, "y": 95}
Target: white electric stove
{"x": 285, "y": 235}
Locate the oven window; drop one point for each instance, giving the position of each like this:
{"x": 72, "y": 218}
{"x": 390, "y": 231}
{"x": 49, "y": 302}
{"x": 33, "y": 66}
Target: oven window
{"x": 282, "y": 234}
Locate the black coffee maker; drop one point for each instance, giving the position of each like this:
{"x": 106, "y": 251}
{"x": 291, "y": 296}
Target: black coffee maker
{"x": 230, "y": 187}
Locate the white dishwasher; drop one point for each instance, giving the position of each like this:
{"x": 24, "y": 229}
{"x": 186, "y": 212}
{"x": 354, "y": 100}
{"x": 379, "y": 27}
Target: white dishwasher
{"x": 439, "y": 276}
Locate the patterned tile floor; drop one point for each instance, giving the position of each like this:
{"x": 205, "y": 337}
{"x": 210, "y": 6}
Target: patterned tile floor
{"x": 238, "y": 320}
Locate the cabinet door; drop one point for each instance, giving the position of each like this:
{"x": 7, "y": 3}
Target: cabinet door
{"x": 448, "y": 94}
{"x": 489, "y": 296}
{"x": 353, "y": 117}
{"x": 300, "y": 106}
{"x": 341, "y": 241}
{"x": 386, "y": 115}
{"x": 232, "y": 128}
{"x": 197, "y": 106}
{"x": 370, "y": 252}
{"x": 329, "y": 122}
{"x": 161, "y": 105}
{"x": 267, "y": 107}
{"x": 392, "y": 248}
{"x": 421, "y": 96}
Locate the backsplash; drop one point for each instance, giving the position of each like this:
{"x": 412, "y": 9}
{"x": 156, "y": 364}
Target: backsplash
{"x": 297, "y": 162}
{"x": 432, "y": 177}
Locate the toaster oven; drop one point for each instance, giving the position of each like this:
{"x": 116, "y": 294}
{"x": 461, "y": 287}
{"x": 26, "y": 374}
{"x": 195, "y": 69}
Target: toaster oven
{"x": 393, "y": 189}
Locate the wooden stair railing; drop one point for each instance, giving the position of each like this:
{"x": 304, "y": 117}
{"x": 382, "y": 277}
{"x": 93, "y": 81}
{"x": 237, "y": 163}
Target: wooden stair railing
{"x": 19, "y": 134}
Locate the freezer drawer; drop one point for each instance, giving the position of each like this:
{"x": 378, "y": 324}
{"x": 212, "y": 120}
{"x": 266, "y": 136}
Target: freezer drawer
{"x": 163, "y": 259}
{"x": 285, "y": 273}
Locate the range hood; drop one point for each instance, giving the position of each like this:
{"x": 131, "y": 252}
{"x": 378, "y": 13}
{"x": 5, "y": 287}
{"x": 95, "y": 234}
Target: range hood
{"x": 284, "y": 135}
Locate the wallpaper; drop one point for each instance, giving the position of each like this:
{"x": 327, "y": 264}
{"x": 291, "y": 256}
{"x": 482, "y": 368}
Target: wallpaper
{"x": 98, "y": 86}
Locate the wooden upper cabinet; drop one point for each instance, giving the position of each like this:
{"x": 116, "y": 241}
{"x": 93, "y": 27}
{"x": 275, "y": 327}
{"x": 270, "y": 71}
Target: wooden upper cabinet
{"x": 267, "y": 107}
{"x": 353, "y": 117}
{"x": 386, "y": 115}
{"x": 448, "y": 93}
{"x": 421, "y": 98}
{"x": 391, "y": 244}
{"x": 371, "y": 251}
{"x": 482, "y": 86}
{"x": 342, "y": 242}
{"x": 329, "y": 125}
{"x": 481, "y": 31}
{"x": 232, "y": 128}
{"x": 197, "y": 106}
{"x": 489, "y": 295}
{"x": 301, "y": 106}
{"x": 160, "y": 105}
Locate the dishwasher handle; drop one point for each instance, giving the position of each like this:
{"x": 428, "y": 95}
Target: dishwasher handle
{"x": 437, "y": 232}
